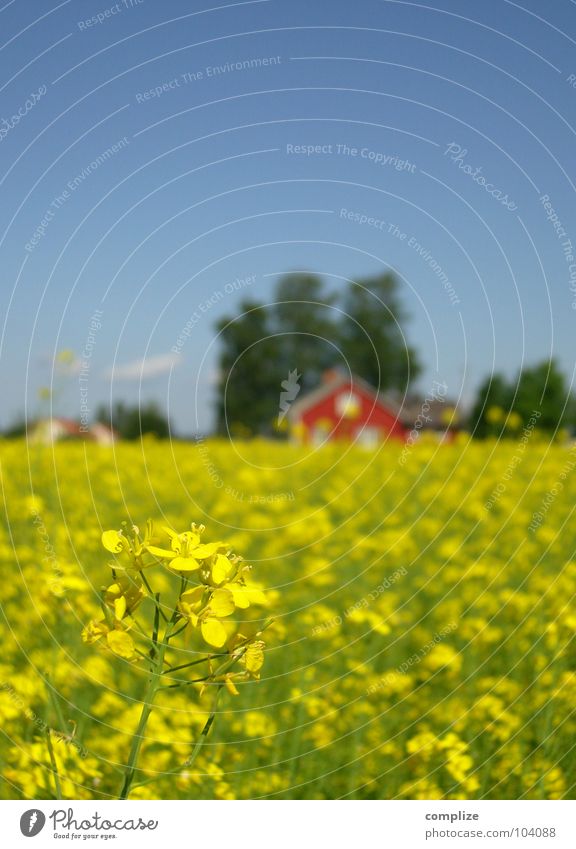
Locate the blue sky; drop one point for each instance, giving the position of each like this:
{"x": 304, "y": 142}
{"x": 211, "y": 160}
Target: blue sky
{"x": 200, "y": 185}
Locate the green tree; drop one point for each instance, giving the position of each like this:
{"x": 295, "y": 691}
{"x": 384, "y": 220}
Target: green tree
{"x": 537, "y": 389}
{"x": 16, "y": 429}
{"x": 306, "y": 330}
{"x": 249, "y": 374}
{"x": 543, "y": 388}
{"x": 133, "y": 421}
{"x": 307, "y": 325}
{"x": 493, "y": 394}
{"x": 372, "y": 339}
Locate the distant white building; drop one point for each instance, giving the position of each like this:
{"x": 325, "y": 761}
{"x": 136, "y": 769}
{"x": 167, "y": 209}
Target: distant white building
{"x": 57, "y": 429}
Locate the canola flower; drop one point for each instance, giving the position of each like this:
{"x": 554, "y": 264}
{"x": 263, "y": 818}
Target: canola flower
{"x": 423, "y": 635}
{"x": 212, "y": 587}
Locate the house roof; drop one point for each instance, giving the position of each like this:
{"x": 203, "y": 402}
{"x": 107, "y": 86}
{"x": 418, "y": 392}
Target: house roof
{"x": 336, "y": 380}
{"x": 406, "y": 409}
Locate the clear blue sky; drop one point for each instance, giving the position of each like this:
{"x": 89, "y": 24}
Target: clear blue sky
{"x": 203, "y": 189}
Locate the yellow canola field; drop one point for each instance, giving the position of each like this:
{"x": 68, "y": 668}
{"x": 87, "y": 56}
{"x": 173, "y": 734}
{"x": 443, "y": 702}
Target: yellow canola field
{"x": 423, "y": 635}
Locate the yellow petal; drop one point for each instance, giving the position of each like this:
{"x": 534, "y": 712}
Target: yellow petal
{"x": 214, "y": 632}
{"x": 245, "y": 596}
{"x": 231, "y": 687}
{"x": 192, "y": 596}
{"x": 164, "y": 553}
{"x": 222, "y": 603}
{"x": 207, "y": 550}
{"x": 222, "y": 569}
{"x": 121, "y": 644}
{"x": 240, "y": 596}
{"x": 256, "y": 595}
{"x": 184, "y": 564}
{"x": 254, "y": 658}
{"x": 120, "y": 607}
{"x": 94, "y": 631}
{"x": 112, "y": 541}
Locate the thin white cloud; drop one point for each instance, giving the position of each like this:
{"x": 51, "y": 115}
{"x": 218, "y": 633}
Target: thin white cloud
{"x": 145, "y": 368}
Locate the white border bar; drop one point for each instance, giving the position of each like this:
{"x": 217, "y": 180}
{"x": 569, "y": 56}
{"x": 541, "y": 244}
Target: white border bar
{"x": 286, "y": 825}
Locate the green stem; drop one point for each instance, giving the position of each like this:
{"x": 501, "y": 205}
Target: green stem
{"x": 55, "y": 703}
{"x": 186, "y": 683}
{"x": 54, "y": 765}
{"x": 196, "y": 750}
{"x": 179, "y": 631}
{"x": 208, "y": 657}
{"x": 149, "y": 696}
{"x": 205, "y": 730}
{"x": 147, "y": 704}
{"x": 153, "y": 597}
{"x": 156, "y": 618}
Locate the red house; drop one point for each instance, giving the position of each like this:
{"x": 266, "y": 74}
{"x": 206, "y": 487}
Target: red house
{"x": 347, "y": 408}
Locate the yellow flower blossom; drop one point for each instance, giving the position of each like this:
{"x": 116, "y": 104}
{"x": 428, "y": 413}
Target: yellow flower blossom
{"x": 364, "y": 693}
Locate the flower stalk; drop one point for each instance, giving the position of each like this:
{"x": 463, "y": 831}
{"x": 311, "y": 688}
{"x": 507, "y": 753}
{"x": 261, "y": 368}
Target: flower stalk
{"x": 212, "y": 588}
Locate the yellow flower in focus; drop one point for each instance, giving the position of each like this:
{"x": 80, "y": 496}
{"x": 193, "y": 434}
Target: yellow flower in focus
{"x": 205, "y": 609}
{"x": 117, "y": 640}
{"x": 124, "y": 596}
{"x": 253, "y": 658}
{"x": 114, "y": 541}
{"x": 121, "y": 644}
{"x": 187, "y": 553}
{"x": 94, "y": 631}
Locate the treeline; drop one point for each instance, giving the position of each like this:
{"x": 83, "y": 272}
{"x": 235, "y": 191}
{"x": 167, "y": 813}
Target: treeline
{"x": 129, "y": 421}
{"x": 306, "y": 329}
{"x": 279, "y": 349}
{"x": 538, "y": 392}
